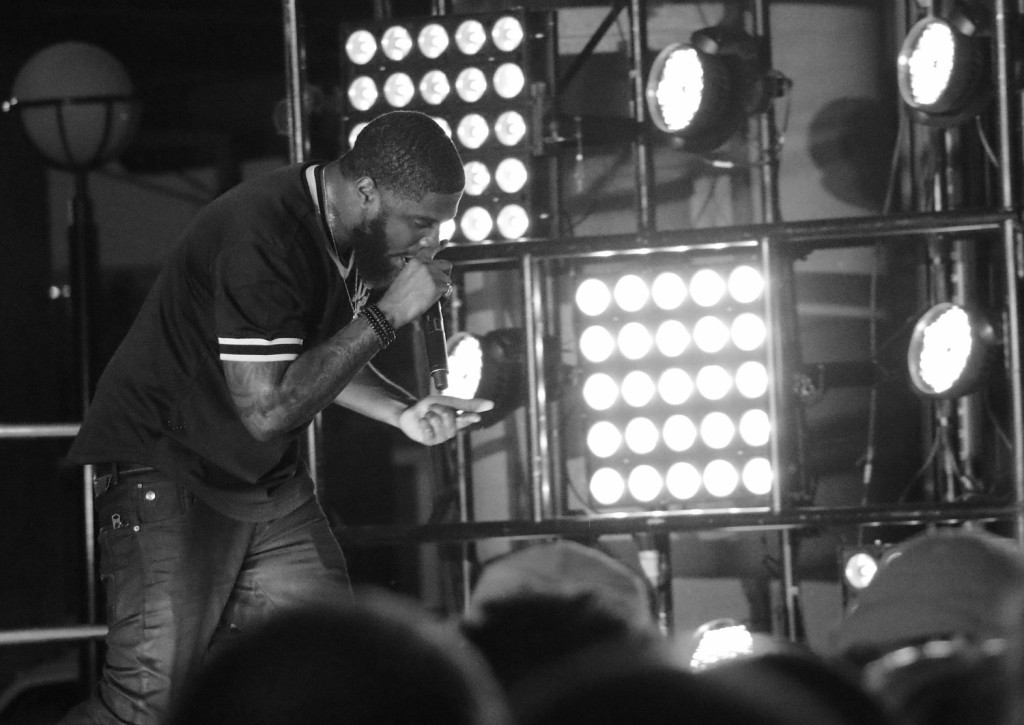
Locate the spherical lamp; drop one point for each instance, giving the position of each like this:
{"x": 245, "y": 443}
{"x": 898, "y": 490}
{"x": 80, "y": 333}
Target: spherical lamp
{"x": 76, "y": 104}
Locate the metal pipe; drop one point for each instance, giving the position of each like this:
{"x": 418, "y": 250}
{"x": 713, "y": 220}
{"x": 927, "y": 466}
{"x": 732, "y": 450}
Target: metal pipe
{"x": 533, "y": 324}
{"x": 52, "y": 634}
{"x": 767, "y": 129}
{"x": 790, "y": 238}
{"x": 39, "y": 430}
{"x": 678, "y": 521}
{"x": 295, "y": 77}
{"x": 1011, "y": 250}
{"x": 644, "y": 158}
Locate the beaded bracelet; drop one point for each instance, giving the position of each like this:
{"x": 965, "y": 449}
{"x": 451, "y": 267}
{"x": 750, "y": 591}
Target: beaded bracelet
{"x": 385, "y": 332}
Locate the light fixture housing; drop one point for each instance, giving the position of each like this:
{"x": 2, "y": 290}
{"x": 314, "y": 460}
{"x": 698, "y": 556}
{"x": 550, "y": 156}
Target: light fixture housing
{"x": 944, "y": 69}
{"x": 702, "y": 91}
{"x": 950, "y": 350}
{"x": 493, "y": 367}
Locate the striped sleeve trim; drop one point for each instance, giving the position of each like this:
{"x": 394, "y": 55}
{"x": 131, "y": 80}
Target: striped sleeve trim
{"x": 251, "y": 349}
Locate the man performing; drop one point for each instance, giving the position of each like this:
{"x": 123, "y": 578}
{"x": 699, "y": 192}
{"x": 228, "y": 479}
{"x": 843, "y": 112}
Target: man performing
{"x": 271, "y": 307}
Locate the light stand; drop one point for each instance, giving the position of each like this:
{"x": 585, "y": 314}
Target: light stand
{"x": 76, "y": 105}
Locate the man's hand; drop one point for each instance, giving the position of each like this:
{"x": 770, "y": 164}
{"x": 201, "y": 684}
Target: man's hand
{"x": 420, "y": 284}
{"x": 437, "y": 418}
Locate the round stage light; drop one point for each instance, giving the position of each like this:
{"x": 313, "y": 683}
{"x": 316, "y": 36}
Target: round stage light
{"x": 707, "y": 288}
{"x": 748, "y": 331}
{"x": 860, "y": 569}
{"x": 675, "y": 87}
{"x": 510, "y": 128}
{"x": 949, "y": 351}
{"x": 593, "y": 297}
{"x": 399, "y": 90}
{"x": 472, "y": 131}
{"x": 672, "y": 338}
{"x": 434, "y": 87}
{"x": 476, "y": 224}
{"x": 509, "y": 80}
{"x": 445, "y": 126}
{"x": 679, "y": 433}
{"x": 668, "y": 291}
{"x": 432, "y": 40}
{"x": 644, "y": 483}
{"x": 631, "y": 293}
{"x": 641, "y": 435}
{"x": 470, "y": 37}
{"x": 597, "y": 344}
{"x": 675, "y": 386}
{"x": 682, "y": 481}
{"x": 511, "y": 175}
{"x": 360, "y": 47}
{"x": 507, "y": 33}
{"x": 465, "y": 365}
{"x": 721, "y": 478}
{"x": 353, "y": 134}
{"x": 755, "y": 427}
{"x": 470, "y": 84}
{"x": 396, "y": 43}
{"x": 607, "y": 486}
{"x": 634, "y": 340}
{"x": 637, "y": 388}
{"x": 713, "y": 382}
{"x": 757, "y": 476}
{"x": 604, "y": 439}
{"x": 710, "y": 334}
{"x": 600, "y": 392}
{"x": 513, "y": 221}
{"x": 752, "y": 379}
{"x": 745, "y": 284}
{"x": 717, "y": 430}
{"x": 943, "y": 72}
{"x": 362, "y": 93}
{"x": 477, "y": 177}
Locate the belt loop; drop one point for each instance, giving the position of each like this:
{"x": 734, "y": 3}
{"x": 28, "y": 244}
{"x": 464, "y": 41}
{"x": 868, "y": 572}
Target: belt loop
{"x": 114, "y": 476}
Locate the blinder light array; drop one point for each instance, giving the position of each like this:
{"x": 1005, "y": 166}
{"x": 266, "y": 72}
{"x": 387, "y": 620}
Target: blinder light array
{"x": 483, "y": 79}
{"x": 675, "y": 388}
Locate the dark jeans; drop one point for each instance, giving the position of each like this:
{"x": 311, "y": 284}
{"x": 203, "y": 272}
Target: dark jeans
{"x": 178, "y": 575}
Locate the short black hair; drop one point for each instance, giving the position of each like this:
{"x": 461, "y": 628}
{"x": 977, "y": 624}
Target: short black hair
{"x": 408, "y": 154}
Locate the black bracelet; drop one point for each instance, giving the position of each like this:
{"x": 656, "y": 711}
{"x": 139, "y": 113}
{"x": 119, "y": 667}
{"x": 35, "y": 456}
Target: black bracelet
{"x": 382, "y": 328}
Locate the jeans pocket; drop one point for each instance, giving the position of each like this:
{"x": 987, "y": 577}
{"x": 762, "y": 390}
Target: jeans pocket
{"x": 159, "y": 499}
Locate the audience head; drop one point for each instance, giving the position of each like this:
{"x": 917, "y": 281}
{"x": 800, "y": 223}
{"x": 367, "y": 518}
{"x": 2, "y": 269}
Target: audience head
{"x": 610, "y": 684}
{"x": 383, "y": 661}
{"x": 541, "y": 603}
{"x": 941, "y": 585}
{"x": 803, "y": 687}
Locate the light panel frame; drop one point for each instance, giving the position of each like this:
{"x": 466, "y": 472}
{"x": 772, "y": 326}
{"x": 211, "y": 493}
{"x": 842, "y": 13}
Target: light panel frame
{"x": 618, "y": 365}
{"x": 536, "y": 55}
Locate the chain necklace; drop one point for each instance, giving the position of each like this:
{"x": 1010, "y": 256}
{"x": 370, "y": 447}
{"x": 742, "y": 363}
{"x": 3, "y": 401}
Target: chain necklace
{"x": 358, "y": 297}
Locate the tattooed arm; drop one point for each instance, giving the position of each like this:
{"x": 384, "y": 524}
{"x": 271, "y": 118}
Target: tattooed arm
{"x": 275, "y": 399}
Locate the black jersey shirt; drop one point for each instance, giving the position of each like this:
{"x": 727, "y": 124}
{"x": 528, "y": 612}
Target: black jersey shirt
{"x": 249, "y": 280}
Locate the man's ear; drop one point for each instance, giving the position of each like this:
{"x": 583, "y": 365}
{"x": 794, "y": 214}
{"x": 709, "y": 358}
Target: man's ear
{"x": 367, "y": 191}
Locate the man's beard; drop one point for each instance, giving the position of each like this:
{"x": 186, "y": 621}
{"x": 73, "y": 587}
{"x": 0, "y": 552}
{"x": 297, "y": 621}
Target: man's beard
{"x": 369, "y": 242}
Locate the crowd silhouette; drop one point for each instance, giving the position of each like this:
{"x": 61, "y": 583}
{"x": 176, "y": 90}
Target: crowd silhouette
{"x": 559, "y": 633}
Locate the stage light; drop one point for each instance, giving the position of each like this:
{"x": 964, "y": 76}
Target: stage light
{"x": 478, "y": 178}
{"x": 489, "y": 76}
{"x": 651, "y": 398}
{"x": 493, "y": 366}
{"x": 943, "y": 68}
{"x": 858, "y": 566}
{"x": 470, "y": 37}
{"x": 704, "y": 90}
{"x": 949, "y": 352}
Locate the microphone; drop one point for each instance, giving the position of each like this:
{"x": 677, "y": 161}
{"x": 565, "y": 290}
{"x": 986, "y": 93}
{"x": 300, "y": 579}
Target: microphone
{"x": 437, "y": 345}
